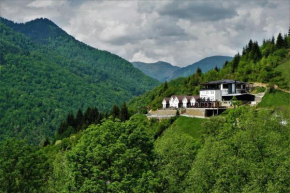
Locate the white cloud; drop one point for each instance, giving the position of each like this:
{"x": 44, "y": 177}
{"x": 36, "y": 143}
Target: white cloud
{"x": 177, "y": 32}
{"x": 45, "y": 3}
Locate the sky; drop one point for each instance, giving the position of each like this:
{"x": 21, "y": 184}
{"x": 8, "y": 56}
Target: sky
{"x": 179, "y": 32}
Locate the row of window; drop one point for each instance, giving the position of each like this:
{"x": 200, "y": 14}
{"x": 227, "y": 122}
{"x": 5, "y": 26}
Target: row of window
{"x": 206, "y": 92}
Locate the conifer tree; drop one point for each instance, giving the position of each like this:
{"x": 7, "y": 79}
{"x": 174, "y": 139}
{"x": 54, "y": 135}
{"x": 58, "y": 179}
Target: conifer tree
{"x": 256, "y": 53}
{"x": 225, "y": 64}
{"x": 79, "y": 120}
{"x": 198, "y": 71}
{"x": 216, "y": 69}
{"x": 87, "y": 116}
{"x": 94, "y": 115}
{"x": 273, "y": 40}
{"x": 115, "y": 111}
{"x": 70, "y": 120}
{"x": 79, "y": 117}
{"x": 124, "y": 113}
{"x": 285, "y": 45}
{"x": 250, "y": 46}
{"x": 280, "y": 41}
{"x": 236, "y": 61}
{"x": 244, "y": 50}
{"x": 46, "y": 142}
{"x": 165, "y": 86}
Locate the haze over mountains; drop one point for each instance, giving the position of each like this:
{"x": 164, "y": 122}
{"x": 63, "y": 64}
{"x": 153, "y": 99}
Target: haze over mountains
{"x": 45, "y": 73}
{"x": 163, "y": 71}
{"x": 158, "y": 70}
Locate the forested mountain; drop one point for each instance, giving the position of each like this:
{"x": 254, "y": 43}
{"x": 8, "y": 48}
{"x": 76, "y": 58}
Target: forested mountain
{"x": 45, "y": 73}
{"x": 205, "y": 65}
{"x": 158, "y": 70}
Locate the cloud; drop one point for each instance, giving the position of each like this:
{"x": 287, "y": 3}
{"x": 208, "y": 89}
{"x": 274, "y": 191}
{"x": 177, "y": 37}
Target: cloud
{"x": 178, "y": 32}
{"x": 198, "y": 11}
{"x": 45, "y": 4}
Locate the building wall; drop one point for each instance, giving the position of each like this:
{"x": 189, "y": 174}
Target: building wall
{"x": 192, "y": 101}
{"x": 184, "y": 102}
{"x": 218, "y": 95}
{"x": 212, "y": 94}
{"x": 164, "y": 104}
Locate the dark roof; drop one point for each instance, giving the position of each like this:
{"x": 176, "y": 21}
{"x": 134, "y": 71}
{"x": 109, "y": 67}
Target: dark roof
{"x": 180, "y": 97}
{"x": 166, "y": 99}
{"x": 188, "y": 97}
{"x": 225, "y": 81}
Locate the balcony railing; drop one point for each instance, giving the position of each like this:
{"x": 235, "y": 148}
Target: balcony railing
{"x": 209, "y": 89}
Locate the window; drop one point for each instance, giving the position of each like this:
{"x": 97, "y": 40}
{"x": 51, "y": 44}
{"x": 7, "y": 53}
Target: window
{"x": 225, "y": 86}
{"x": 211, "y": 92}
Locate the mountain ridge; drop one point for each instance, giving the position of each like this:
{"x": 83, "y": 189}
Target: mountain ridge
{"x": 164, "y": 71}
{"x": 159, "y": 70}
{"x": 206, "y": 64}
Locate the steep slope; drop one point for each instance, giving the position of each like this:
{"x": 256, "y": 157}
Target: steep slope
{"x": 45, "y": 73}
{"x": 284, "y": 69}
{"x": 158, "y": 70}
{"x": 205, "y": 65}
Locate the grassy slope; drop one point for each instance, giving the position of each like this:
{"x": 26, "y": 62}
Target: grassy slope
{"x": 190, "y": 126}
{"x": 284, "y": 68}
{"x": 275, "y": 98}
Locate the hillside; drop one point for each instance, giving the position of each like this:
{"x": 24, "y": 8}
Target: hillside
{"x": 268, "y": 63}
{"x": 275, "y": 98}
{"x": 205, "y": 65}
{"x": 158, "y": 70}
{"x": 221, "y": 154}
{"x": 284, "y": 70}
{"x": 46, "y": 73}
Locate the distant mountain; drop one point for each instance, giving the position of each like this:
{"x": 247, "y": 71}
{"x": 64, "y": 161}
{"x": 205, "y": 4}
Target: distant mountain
{"x": 164, "y": 71}
{"x": 46, "y": 73}
{"x": 158, "y": 70}
{"x": 205, "y": 65}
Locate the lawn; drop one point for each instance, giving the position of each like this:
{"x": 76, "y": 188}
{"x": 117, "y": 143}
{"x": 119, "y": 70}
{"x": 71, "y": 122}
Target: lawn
{"x": 190, "y": 126}
{"x": 284, "y": 80}
{"x": 275, "y": 98}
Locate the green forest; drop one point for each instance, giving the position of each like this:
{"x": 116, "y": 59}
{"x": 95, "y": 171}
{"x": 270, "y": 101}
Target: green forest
{"x": 65, "y": 125}
{"x": 45, "y": 73}
{"x": 244, "y": 150}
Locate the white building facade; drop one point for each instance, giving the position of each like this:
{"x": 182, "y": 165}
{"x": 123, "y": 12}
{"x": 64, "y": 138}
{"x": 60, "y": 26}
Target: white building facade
{"x": 218, "y": 90}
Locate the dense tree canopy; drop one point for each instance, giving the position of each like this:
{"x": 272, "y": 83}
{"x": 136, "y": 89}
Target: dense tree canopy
{"x": 45, "y": 73}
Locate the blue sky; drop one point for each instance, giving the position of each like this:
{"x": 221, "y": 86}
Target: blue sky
{"x": 178, "y": 32}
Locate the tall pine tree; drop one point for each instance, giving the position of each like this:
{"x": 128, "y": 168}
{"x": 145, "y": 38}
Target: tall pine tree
{"x": 235, "y": 62}
{"x": 115, "y": 111}
{"x": 280, "y": 41}
{"x": 124, "y": 113}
